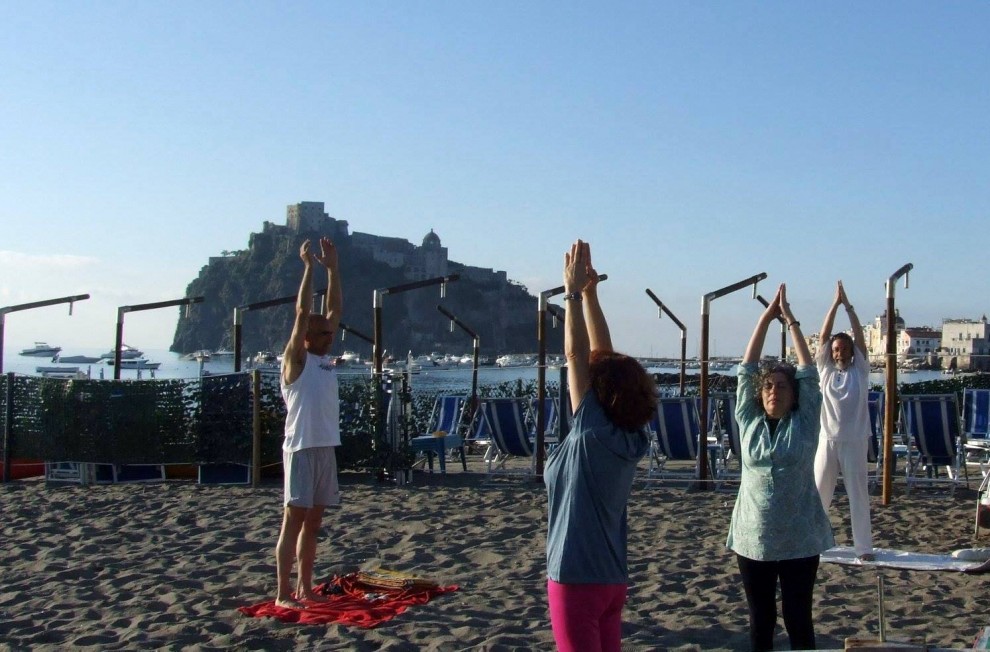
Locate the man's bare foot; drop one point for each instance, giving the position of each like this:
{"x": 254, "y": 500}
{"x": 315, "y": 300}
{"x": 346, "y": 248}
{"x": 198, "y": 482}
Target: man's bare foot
{"x": 289, "y": 603}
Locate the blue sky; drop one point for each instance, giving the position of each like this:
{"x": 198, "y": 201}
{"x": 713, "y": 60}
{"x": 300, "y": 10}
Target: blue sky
{"x": 694, "y": 144}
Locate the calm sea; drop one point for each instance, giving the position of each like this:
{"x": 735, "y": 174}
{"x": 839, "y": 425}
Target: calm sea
{"x": 176, "y": 366}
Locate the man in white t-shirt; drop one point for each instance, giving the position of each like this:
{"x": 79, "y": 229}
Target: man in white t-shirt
{"x": 312, "y": 427}
{"x": 844, "y": 441}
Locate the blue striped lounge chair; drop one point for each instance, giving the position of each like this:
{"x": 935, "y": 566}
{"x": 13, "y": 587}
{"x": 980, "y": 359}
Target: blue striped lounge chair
{"x": 875, "y": 403}
{"x": 728, "y": 429}
{"x": 976, "y": 425}
{"x": 505, "y": 419}
{"x": 448, "y": 416}
{"x": 550, "y": 422}
{"x": 933, "y": 426}
{"x": 676, "y": 428}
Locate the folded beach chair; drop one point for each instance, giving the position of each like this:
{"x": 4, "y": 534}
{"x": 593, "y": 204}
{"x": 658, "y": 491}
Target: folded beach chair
{"x": 730, "y": 467}
{"x": 874, "y": 472}
{"x": 676, "y": 429}
{"x": 505, "y": 420}
{"x": 446, "y": 425}
{"x": 976, "y": 426}
{"x": 933, "y": 426}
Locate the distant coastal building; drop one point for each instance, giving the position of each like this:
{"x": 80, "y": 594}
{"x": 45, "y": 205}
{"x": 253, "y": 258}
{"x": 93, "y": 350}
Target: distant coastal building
{"x": 919, "y": 345}
{"x": 965, "y": 344}
{"x": 875, "y": 335}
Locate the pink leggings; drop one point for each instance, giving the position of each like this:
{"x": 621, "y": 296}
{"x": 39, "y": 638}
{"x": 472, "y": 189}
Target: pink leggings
{"x": 586, "y": 616}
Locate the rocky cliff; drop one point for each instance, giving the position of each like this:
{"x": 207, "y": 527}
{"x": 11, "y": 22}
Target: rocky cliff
{"x": 502, "y": 312}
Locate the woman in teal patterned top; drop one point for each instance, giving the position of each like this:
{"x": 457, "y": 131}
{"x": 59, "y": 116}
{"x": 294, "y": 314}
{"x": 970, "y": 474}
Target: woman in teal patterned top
{"x": 779, "y": 527}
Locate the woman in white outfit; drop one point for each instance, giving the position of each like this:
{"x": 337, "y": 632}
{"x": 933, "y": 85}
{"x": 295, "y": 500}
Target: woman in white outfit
{"x": 844, "y": 441}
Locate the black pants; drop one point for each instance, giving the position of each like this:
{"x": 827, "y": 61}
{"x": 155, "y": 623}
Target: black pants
{"x": 797, "y": 584}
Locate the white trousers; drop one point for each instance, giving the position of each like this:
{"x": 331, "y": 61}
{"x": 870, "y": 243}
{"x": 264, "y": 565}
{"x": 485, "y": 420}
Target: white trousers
{"x": 849, "y": 457}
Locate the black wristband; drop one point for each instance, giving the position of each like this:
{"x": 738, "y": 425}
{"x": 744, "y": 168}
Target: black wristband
{"x": 793, "y": 324}
{"x": 572, "y": 296}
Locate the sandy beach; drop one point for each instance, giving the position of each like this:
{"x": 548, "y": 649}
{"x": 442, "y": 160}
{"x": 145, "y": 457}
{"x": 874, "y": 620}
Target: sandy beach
{"x": 165, "y": 566}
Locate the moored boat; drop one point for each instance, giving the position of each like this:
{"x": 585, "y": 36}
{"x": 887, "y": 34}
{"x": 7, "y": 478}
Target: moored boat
{"x": 126, "y": 353}
{"x": 42, "y": 350}
{"x": 76, "y": 359}
{"x": 139, "y": 363}
{"x": 136, "y": 363}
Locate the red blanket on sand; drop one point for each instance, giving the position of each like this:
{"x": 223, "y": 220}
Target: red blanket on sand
{"x": 353, "y": 599}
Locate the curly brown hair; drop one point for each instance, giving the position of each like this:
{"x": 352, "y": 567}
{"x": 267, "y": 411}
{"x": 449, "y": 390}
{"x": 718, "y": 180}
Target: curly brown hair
{"x": 789, "y": 371}
{"x": 626, "y": 392}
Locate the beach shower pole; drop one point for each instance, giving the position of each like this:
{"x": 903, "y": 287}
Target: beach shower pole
{"x": 377, "y": 352}
{"x": 541, "y": 373}
{"x": 477, "y": 354}
{"x": 890, "y": 384}
{"x": 664, "y": 309}
{"x": 783, "y": 328}
{"x": 255, "y": 428}
{"x": 238, "y": 320}
{"x": 558, "y": 314}
{"x": 706, "y": 302}
{"x": 541, "y": 370}
{"x": 29, "y": 306}
{"x": 345, "y": 328}
{"x": 123, "y": 310}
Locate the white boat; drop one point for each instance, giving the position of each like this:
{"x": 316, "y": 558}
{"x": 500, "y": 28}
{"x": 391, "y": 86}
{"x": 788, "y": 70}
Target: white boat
{"x": 350, "y": 359}
{"x": 431, "y": 361}
{"x": 266, "y": 360}
{"x": 76, "y": 359}
{"x": 515, "y": 360}
{"x": 42, "y": 350}
{"x": 223, "y": 354}
{"x": 202, "y": 355}
{"x": 138, "y": 363}
{"x": 52, "y": 370}
{"x": 412, "y": 366}
{"x": 265, "y": 357}
{"x": 126, "y": 353}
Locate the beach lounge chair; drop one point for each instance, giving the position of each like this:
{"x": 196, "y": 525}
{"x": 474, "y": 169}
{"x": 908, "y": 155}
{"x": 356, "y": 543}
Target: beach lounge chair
{"x": 445, "y": 432}
{"x": 982, "y": 507}
{"x": 505, "y": 420}
{"x": 976, "y": 426}
{"x": 876, "y": 402}
{"x": 933, "y": 426}
{"x": 676, "y": 428}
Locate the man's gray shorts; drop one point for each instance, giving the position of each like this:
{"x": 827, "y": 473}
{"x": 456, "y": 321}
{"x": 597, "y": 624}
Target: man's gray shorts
{"x": 311, "y": 477}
